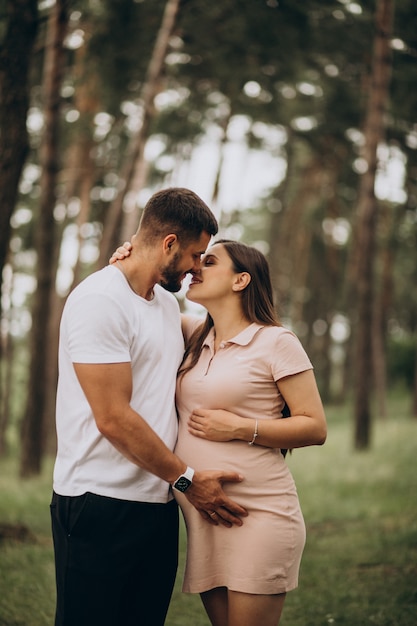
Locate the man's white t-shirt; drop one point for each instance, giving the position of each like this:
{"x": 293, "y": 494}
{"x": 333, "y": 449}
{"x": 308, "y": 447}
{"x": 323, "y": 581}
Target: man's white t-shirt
{"x": 104, "y": 321}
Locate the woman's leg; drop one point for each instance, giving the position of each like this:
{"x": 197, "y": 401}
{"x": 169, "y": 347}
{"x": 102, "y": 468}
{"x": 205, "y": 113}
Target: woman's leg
{"x": 232, "y": 608}
{"x": 247, "y": 609}
{"x": 215, "y": 603}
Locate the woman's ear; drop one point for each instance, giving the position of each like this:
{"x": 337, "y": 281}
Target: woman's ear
{"x": 241, "y": 281}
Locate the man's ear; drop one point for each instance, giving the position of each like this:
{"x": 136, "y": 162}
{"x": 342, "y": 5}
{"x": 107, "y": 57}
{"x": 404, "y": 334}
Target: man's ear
{"x": 170, "y": 243}
{"x": 241, "y": 281}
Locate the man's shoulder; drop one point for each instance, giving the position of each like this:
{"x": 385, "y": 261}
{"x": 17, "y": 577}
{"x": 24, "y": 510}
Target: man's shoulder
{"x": 99, "y": 278}
{"x": 101, "y": 290}
{"x": 101, "y": 281}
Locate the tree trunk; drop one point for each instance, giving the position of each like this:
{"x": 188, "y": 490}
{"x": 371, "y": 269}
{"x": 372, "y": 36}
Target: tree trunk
{"x": 6, "y": 392}
{"x": 224, "y": 125}
{"x": 383, "y": 303}
{"x": 133, "y": 163}
{"x": 33, "y": 436}
{"x": 278, "y": 244}
{"x": 15, "y": 56}
{"x": 20, "y": 17}
{"x": 414, "y": 396}
{"x": 78, "y": 178}
{"x": 367, "y": 222}
{"x": 379, "y": 360}
{"x": 289, "y": 237}
{"x": 6, "y": 372}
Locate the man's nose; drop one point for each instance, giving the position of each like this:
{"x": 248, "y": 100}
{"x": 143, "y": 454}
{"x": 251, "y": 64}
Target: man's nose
{"x": 196, "y": 267}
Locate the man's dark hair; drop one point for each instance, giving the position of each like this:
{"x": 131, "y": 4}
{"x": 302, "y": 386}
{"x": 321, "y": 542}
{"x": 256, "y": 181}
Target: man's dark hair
{"x": 180, "y": 211}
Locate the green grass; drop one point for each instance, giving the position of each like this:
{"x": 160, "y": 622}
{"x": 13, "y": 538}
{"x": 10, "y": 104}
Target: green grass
{"x": 360, "y": 561}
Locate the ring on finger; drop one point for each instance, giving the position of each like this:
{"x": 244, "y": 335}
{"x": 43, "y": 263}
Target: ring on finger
{"x": 212, "y": 513}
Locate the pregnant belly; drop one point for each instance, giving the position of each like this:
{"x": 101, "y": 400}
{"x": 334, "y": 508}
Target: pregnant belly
{"x": 264, "y": 470}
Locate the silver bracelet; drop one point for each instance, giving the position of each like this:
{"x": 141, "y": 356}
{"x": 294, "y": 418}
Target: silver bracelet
{"x": 255, "y": 434}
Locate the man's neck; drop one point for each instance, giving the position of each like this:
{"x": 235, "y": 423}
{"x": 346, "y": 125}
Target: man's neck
{"x": 136, "y": 280}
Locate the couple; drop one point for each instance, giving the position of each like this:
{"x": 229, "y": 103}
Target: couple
{"x": 114, "y": 519}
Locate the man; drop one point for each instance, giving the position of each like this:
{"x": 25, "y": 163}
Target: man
{"x": 114, "y": 520}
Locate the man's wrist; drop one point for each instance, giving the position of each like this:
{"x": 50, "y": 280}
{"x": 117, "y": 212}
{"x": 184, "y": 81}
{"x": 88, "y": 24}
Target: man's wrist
{"x": 184, "y": 481}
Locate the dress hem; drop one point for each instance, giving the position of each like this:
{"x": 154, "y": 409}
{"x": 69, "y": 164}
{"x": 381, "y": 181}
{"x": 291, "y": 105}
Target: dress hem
{"x": 265, "y": 589}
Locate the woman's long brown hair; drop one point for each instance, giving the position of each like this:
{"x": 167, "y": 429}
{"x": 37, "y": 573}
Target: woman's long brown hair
{"x": 257, "y": 297}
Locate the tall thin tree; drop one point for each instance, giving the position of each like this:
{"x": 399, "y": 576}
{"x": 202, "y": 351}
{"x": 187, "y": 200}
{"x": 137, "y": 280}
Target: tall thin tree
{"x": 15, "y": 56}
{"x": 367, "y": 214}
{"x": 32, "y": 427}
{"x": 134, "y": 163}
{"x": 16, "y": 48}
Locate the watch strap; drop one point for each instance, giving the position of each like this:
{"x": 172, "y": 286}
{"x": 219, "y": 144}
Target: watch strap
{"x": 188, "y": 475}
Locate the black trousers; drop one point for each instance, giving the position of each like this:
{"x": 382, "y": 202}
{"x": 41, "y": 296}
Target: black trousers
{"x": 115, "y": 561}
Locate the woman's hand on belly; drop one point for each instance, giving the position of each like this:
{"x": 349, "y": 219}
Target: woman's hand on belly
{"x": 217, "y": 425}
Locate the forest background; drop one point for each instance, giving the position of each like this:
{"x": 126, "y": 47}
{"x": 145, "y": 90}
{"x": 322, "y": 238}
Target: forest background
{"x": 294, "y": 120}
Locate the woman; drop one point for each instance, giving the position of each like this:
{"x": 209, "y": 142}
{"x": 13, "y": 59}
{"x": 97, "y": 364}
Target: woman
{"x": 240, "y": 368}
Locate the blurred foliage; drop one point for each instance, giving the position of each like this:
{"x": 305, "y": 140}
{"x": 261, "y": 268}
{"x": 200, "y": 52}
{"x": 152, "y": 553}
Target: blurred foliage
{"x": 286, "y": 82}
{"x": 401, "y": 361}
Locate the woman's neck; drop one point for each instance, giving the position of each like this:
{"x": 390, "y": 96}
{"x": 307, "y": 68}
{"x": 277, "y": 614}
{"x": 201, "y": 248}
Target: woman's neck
{"x": 228, "y": 324}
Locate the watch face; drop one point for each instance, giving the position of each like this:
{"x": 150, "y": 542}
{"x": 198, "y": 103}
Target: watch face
{"x": 182, "y": 484}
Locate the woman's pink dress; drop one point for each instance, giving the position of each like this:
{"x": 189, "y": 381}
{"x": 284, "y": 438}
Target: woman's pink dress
{"x": 262, "y": 556}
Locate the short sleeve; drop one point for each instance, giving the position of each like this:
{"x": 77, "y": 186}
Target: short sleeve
{"x": 97, "y": 330}
{"x": 289, "y": 356}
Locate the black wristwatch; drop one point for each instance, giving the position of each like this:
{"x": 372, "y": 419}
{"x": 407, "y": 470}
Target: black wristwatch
{"x": 184, "y": 481}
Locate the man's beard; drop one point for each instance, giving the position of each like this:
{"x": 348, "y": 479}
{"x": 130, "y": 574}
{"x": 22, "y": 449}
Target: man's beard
{"x": 171, "y": 277}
